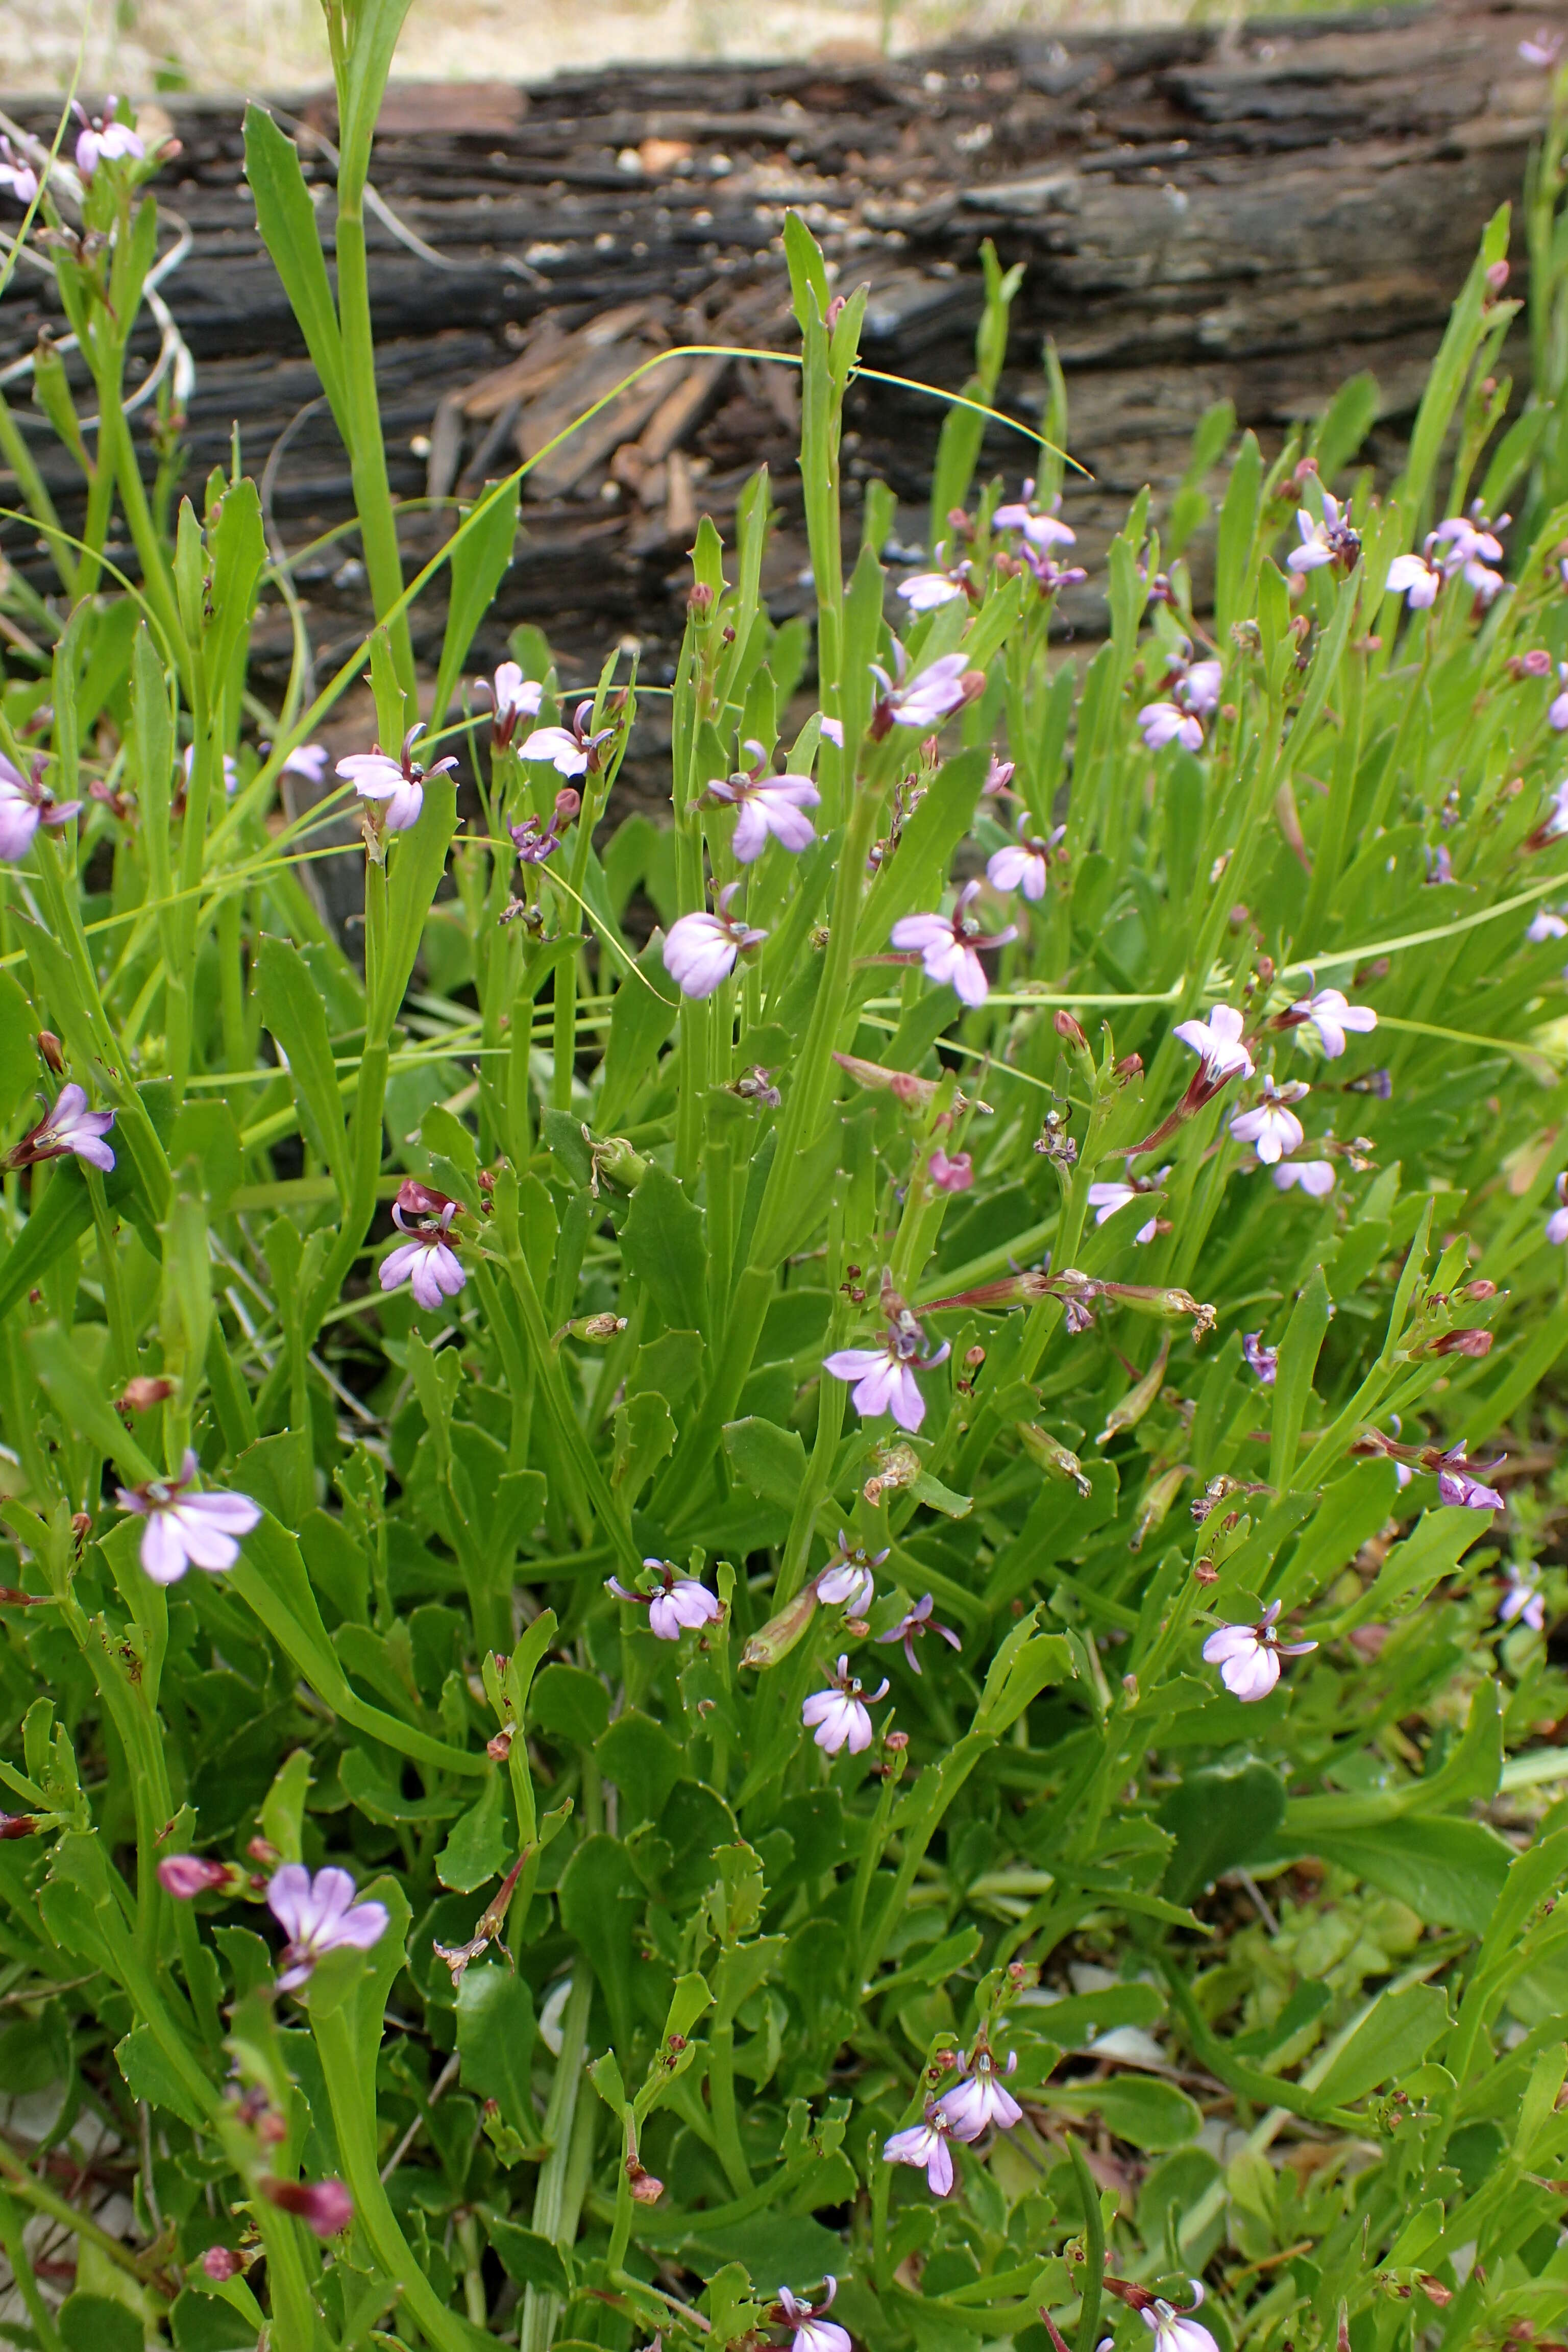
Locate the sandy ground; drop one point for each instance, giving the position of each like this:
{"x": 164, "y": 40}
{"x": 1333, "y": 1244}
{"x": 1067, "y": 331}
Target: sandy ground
{"x": 214, "y": 45}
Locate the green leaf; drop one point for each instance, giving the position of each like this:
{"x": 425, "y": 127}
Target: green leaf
{"x": 645, "y": 1433}
{"x": 642, "y": 1759}
{"x": 480, "y": 1846}
{"x": 93, "y": 2323}
{"x": 495, "y": 2041}
{"x": 292, "y": 1009}
{"x": 18, "y": 1055}
{"x": 570, "y": 1704}
{"x": 283, "y": 1807}
{"x": 602, "y": 1899}
{"x": 1293, "y": 1377}
{"x": 663, "y": 1244}
{"x": 479, "y": 558}
{"x": 915, "y": 877}
{"x": 149, "y": 2075}
{"x": 1218, "y": 1818}
{"x": 769, "y": 1460}
{"x": 1450, "y": 1873}
{"x": 287, "y": 219}
{"x": 1393, "y": 2037}
{"x": 377, "y": 1798}
{"x": 1151, "y": 2114}
{"x": 527, "y": 2258}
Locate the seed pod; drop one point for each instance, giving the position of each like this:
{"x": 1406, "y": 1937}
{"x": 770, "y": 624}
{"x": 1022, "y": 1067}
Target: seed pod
{"x": 778, "y": 1637}
{"x": 1157, "y": 1500}
{"x": 1052, "y": 1454}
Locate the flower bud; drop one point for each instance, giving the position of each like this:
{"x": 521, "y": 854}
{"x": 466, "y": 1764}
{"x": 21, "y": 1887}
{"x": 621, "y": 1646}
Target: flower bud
{"x": 1497, "y": 277}
{"x": 1473, "y": 1344}
{"x": 221, "y": 2262}
{"x": 644, "y": 2189}
{"x": 1068, "y": 1030}
{"x": 184, "y": 1876}
{"x": 1478, "y": 1291}
{"x": 699, "y": 599}
{"x": 17, "y": 1826}
{"x": 567, "y": 804}
{"x": 143, "y": 1392}
{"x": 499, "y": 1749}
{"x": 51, "y": 1050}
{"x": 81, "y": 1527}
{"x": 324, "y": 2206}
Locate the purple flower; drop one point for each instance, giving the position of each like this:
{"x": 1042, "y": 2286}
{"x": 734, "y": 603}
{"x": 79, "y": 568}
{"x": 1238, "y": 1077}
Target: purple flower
{"x": 1332, "y": 1017}
{"x": 812, "y": 2332}
{"x": 1524, "y": 1600}
{"x": 924, "y": 590}
{"x": 1457, "y": 1484}
{"x": 945, "y": 687}
{"x": 1217, "y": 1041}
{"x": 1024, "y": 865}
{"x": 185, "y": 1529}
{"x": 185, "y": 1875}
{"x": 307, "y": 760}
{"x": 17, "y": 176}
{"x": 1167, "y": 722}
{"x": 1249, "y": 1656}
{"x": 512, "y": 698}
{"x": 398, "y": 783}
{"x": 1173, "y": 2330}
{"x": 1264, "y": 1361}
{"x": 949, "y": 946}
{"x": 1041, "y": 530}
{"x": 840, "y": 1716}
{"x": 955, "y": 1175}
{"x": 925, "y": 2146}
{"x": 849, "y": 1580}
{"x": 25, "y": 803}
{"x": 1271, "y": 1126}
{"x": 230, "y": 775}
{"x": 1545, "y": 924}
{"x": 680, "y": 1601}
{"x": 1107, "y": 1200}
{"x": 572, "y": 751}
{"x": 1315, "y": 1177}
{"x": 534, "y": 842}
{"x": 102, "y": 139}
{"x": 1543, "y": 50}
{"x": 701, "y": 952}
{"x": 885, "y": 1376}
{"x": 973, "y": 2105}
{"x": 769, "y": 805}
{"x": 428, "y": 1263}
{"x": 319, "y": 1915}
{"x": 69, "y": 1126}
{"x": 1416, "y": 579}
{"x": 916, "y": 1621}
{"x": 831, "y": 730}
{"x": 1328, "y": 538}
{"x": 1557, "y": 1223}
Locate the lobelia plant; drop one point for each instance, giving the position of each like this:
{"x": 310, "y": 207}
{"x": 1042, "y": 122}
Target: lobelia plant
{"x": 540, "y": 1882}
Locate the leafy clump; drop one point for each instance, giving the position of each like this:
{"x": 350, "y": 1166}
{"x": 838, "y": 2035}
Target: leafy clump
{"x": 788, "y": 1578}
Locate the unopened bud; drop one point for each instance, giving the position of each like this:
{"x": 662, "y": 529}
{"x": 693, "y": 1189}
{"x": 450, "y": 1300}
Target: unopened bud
{"x": 1130, "y": 1684}
{"x": 51, "y": 1050}
{"x": 1131, "y": 1066}
{"x": 16, "y": 1825}
{"x": 184, "y": 1876}
{"x": 699, "y": 598}
{"x": 1479, "y": 1291}
{"x": 262, "y": 1850}
{"x": 974, "y": 1358}
{"x": 567, "y": 804}
{"x": 897, "y": 1741}
{"x": 644, "y": 2189}
{"x": 1473, "y": 1344}
{"x": 144, "y": 1392}
{"x": 221, "y": 2262}
{"x": 81, "y": 1527}
{"x": 499, "y": 1749}
{"x": 1206, "y": 1572}
{"x": 1497, "y": 279}
{"x": 1069, "y": 1032}
{"x": 323, "y": 2205}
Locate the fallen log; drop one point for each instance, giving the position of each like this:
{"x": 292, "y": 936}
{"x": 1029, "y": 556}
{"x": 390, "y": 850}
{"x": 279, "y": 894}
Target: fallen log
{"x": 1204, "y": 211}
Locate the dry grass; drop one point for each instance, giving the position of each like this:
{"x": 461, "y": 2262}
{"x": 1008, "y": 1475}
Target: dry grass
{"x": 217, "y": 45}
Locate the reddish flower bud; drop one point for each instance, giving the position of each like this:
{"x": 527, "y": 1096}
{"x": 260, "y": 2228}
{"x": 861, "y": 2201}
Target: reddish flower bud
{"x": 221, "y": 2262}
{"x": 17, "y": 1826}
{"x": 184, "y": 1876}
{"x": 1463, "y": 1343}
{"x": 1069, "y": 1032}
{"x": 324, "y": 2206}
{"x": 143, "y": 1392}
{"x": 52, "y": 1051}
{"x": 644, "y": 2189}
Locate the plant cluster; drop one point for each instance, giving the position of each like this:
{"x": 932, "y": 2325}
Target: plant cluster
{"x": 787, "y": 1582}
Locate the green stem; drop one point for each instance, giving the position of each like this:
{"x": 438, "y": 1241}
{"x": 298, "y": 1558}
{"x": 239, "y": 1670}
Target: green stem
{"x": 368, "y": 455}
{"x": 540, "y": 2309}
{"x": 721, "y": 2095}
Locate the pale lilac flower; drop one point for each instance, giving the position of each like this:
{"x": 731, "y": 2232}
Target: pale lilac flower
{"x": 954, "y": 1175}
{"x": 185, "y": 1529}
{"x": 1024, "y": 864}
{"x": 397, "y": 785}
{"x": 1557, "y": 714}
{"x": 1315, "y": 1177}
{"x": 840, "y": 1716}
{"x": 1042, "y": 530}
{"x": 1217, "y": 1042}
{"x": 925, "y": 2146}
{"x": 973, "y": 2105}
{"x": 1457, "y": 1484}
{"x": 1472, "y": 535}
{"x": 427, "y": 1261}
{"x": 25, "y": 803}
{"x": 949, "y": 946}
{"x": 308, "y": 760}
{"x": 1332, "y": 1017}
{"x": 940, "y": 690}
{"x": 1328, "y": 538}
{"x": 916, "y": 1621}
{"x": 1195, "y": 684}
{"x": 1546, "y": 924}
{"x": 1271, "y": 1126}
{"x": 320, "y": 1916}
{"x": 770, "y": 806}
{"x": 69, "y": 1125}
{"x": 831, "y": 730}
{"x": 884, "y": 1377}
{"x": 998, "y": 777}
{"x": 1167, "y": 722}
{"x": 1107, "y": 1200}
{"x": 102, "y": 139}
{"x": 1557, "y": 1223}
{"x": 1553, "y": 828}
{"x": 512, "y": 698}
{"x": 923, "y": 592}
{"x": 680, "y": 1602}
{"x": 1177, "y": 2331}
{"x": 850, "y": 1580}
{"x": 230, "y": 772}
{"x": 1543, "y": 50}
{"x": 700, "y": 953}
{"x": 570, "y": 750}
{"x": 812, "y": 2332}
{"x": 1416, "y": 579}
{"x": 1524, "y": 1600}
{"x": 1249, "y": 1656}
{"x": 20, "y": 177}
{"x": 1264, "y": 1361}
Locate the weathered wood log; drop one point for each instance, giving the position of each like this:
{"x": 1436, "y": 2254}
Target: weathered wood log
{"x": 1204, "y": 212}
